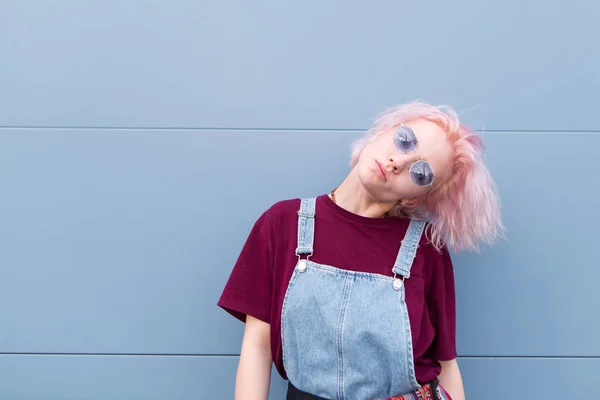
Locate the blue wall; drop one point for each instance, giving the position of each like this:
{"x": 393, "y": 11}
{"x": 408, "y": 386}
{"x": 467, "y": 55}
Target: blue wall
{"x": 138, "y": 142}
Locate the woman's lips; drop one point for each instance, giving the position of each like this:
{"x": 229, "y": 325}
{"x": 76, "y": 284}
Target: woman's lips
{"x": 381, "y": 171}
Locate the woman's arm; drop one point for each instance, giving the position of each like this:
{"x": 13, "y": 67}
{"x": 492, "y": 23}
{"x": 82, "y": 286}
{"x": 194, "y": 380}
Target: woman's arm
{"x": 254, "y": 370}
{"x": 451, "y": 380}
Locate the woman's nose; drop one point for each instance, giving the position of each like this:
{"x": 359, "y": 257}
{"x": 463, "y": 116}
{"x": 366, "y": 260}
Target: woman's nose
{"x": 395, "y": 163}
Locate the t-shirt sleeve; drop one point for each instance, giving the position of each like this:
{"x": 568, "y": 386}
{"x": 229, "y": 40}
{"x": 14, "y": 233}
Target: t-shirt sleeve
{"x": 248, "y": 290}
{"x": 441, "y": 302}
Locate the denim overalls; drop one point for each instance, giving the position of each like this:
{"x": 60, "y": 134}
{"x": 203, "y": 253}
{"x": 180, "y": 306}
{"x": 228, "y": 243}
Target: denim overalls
{"x": 345, "y": 334}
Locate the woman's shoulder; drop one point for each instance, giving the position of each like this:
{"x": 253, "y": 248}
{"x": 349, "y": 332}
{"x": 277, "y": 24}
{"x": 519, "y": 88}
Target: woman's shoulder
{"x": 280, "y": 215}
{"x": 284, "y": 211}
{"x": 277, "y": 209}
{"x": 436, "y": 259}
{"x": 285, "y": 208}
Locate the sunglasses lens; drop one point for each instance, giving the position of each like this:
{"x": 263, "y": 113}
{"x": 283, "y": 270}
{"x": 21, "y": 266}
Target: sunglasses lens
{"x": 405, "y": 139}
{"x": 421, "y": 173}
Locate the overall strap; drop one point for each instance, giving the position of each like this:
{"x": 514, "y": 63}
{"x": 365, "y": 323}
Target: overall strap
{"x": 408, "y": 248}
{"x": 306, "y": 226}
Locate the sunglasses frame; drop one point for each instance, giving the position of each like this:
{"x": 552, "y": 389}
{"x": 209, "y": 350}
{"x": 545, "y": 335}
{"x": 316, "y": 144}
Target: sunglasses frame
{"x": 419, "y": 160}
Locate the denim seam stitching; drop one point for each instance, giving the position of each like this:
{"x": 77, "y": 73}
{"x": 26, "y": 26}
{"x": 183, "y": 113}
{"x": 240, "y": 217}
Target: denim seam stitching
{"x": 339, "y": 333}
{"x": 408, "y": 251}
{"x": 410, "y": 365}
{"x": 306, "y": 217}
{"x": 339, "y": 271}
{"x": 283, "y": 310}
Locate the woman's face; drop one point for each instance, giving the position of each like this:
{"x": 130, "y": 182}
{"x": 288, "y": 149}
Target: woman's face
{"x": 384, "y": 170}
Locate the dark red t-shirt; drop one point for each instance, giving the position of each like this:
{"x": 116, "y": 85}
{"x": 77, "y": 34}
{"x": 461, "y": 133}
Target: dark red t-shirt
{"x": 349, "y": 241}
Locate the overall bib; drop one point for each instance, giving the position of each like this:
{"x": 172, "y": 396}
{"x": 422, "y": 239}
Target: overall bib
{"x": 346, "y": 335}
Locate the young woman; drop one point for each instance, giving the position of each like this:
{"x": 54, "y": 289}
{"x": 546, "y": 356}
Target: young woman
{"x": 351, "y": 293}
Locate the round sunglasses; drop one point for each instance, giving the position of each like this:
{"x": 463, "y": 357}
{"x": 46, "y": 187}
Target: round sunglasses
{"x": 420, "y": 171}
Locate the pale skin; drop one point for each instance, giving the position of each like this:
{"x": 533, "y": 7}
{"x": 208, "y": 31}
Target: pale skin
{"x": 368, "y": 192}
{"x": 254, "y": 370}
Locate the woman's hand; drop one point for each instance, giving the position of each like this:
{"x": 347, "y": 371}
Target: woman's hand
{"x": 254, "y": 370}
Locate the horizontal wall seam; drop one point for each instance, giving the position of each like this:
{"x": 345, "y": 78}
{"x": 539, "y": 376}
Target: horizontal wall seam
{"x": 237, "y": 355}
{"x": 201, "y": 129}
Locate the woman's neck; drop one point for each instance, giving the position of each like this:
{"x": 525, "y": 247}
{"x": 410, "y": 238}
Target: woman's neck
{"x": 352, "y": 196}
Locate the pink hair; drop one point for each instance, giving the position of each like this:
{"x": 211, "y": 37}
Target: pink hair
{"x": 465, "y": 209}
